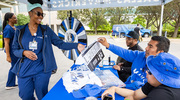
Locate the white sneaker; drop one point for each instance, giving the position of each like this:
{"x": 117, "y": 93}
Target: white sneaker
{"x": 10, "y": 87}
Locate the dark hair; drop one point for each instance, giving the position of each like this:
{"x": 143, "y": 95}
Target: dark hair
{"x": 6, "y": 18}
{"x": 5, "y": 21}
{"x": 35, "y": 1}
{"x": 137, "y": 24}
{"x": 163, "y": 43}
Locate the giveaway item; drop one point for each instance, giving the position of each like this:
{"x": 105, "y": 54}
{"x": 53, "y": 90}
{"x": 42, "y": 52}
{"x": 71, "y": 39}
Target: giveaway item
{"x": 78, "y": 77}
{"x": 88, "y": 90}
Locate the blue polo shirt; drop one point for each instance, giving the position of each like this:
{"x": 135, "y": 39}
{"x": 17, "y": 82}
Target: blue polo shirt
{"x": 30, "y": 67}
{"x": 138, "y": 68}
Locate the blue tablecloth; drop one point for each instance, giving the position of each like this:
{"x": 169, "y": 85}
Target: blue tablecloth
{"x": 58, "y": 92}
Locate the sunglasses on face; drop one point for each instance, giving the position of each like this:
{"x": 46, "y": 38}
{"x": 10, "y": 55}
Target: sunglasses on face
{"x": 39, "y": 14}
{"x": 147, "y": 69}
{"x": 149, "y": 72}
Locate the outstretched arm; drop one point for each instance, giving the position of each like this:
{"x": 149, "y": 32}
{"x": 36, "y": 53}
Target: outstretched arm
{"x": 128, "y": 94}
{"x": 128, "y": 55}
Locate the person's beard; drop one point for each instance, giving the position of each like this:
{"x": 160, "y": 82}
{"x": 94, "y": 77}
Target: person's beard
{"x": 130, "y": 44}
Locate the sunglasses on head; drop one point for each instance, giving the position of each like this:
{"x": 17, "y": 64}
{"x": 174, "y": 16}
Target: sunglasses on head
{"x": 39, "y": 14}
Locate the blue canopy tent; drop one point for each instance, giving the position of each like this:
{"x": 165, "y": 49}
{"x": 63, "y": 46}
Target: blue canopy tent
{"x": 54, "y": 5}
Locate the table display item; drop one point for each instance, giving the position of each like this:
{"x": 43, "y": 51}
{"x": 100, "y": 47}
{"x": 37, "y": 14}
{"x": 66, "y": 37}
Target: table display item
{"x": 108, "y": 79}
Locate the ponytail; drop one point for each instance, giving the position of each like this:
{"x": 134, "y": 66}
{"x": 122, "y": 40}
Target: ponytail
{"x": 5, "y": 21}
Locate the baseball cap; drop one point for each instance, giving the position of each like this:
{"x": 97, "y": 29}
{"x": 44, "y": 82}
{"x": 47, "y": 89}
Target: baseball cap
{"x": 133, "y": 34}
{"x": 165, "y": 68}
{"x": 87, "y": 90}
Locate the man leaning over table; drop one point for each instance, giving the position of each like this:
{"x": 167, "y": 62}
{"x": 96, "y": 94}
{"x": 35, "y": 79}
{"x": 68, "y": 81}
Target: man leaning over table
{"x": 156, "y": 45}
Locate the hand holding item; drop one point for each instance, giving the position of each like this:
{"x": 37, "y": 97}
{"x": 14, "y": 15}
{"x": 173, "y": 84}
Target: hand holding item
{"x": 110, "y": 91}
{"x": 81, "y": 47}
{"x": 29, "y": 54}
{"x": 103, "y": 41}
{"x": 8, "y": 59}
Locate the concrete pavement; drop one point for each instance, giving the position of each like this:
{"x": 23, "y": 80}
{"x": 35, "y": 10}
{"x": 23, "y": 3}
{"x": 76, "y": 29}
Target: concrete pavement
{"x": 64, "y": 63}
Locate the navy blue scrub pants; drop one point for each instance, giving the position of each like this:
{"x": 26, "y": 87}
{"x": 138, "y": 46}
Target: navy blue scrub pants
{"x": 11, "y": 76}
{"x": 38, "y": 82}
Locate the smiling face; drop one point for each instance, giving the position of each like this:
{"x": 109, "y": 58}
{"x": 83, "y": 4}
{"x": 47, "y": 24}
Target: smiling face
{"x": 13, "y": 19}
{"x": 35, "y": 17}
{"x": 151, "y": 49}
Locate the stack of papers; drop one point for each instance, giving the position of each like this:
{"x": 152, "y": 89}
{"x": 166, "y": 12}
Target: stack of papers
{"x": 108, "y": 79}
{"x": 74, "y": 80}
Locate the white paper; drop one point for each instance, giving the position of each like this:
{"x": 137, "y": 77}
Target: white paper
{"x": 73, "y": 81}
{"x": 91, "y": 56}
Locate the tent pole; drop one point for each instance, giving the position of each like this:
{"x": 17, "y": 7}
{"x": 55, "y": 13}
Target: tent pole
{"x": 49, "y": 10}
{"x": 162, "y": 11}
{"x": 49, "y": 18}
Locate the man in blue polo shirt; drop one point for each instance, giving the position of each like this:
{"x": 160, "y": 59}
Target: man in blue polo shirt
{"x": 156, "y": 45}
{"x": 122, "y": 66}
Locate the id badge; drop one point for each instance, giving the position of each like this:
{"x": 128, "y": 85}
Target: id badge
{"x": 33, "y": 45}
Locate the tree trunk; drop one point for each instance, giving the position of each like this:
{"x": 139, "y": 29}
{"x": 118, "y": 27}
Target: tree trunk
{"x": 95, "y": 30}
{"x": 96, "y": 25}
{"x": 147, "y": 25}
{"x": 176, "y": 28}
{"x": 176, "y": 31}
{"x": 158, "y": 30}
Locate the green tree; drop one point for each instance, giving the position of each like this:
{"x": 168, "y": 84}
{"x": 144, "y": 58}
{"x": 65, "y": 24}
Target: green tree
{"x": 63, "y": 14}
{"x": 146, "y": 12}
{"x": 152, "y": 15}
{"x": 93, "y": 17}
{"x": 119, "y": 15}
{"x": 139, "y": 19}
{"x": 173, "y": 11}
{"x": 22, "y": 19}
{"x": 106, "y": 26}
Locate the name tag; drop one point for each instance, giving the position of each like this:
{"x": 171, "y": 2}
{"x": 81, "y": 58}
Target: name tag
{"x": 33, "y": 45}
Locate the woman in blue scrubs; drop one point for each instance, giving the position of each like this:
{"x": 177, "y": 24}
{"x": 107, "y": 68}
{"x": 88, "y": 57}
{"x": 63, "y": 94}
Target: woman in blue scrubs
{"x": 8, "y": 35}
{"x": 33, "y": 45}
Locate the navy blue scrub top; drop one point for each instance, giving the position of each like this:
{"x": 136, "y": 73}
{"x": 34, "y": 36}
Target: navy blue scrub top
{"x": 9, "y": 32}
{"x": 30, "y": 67}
